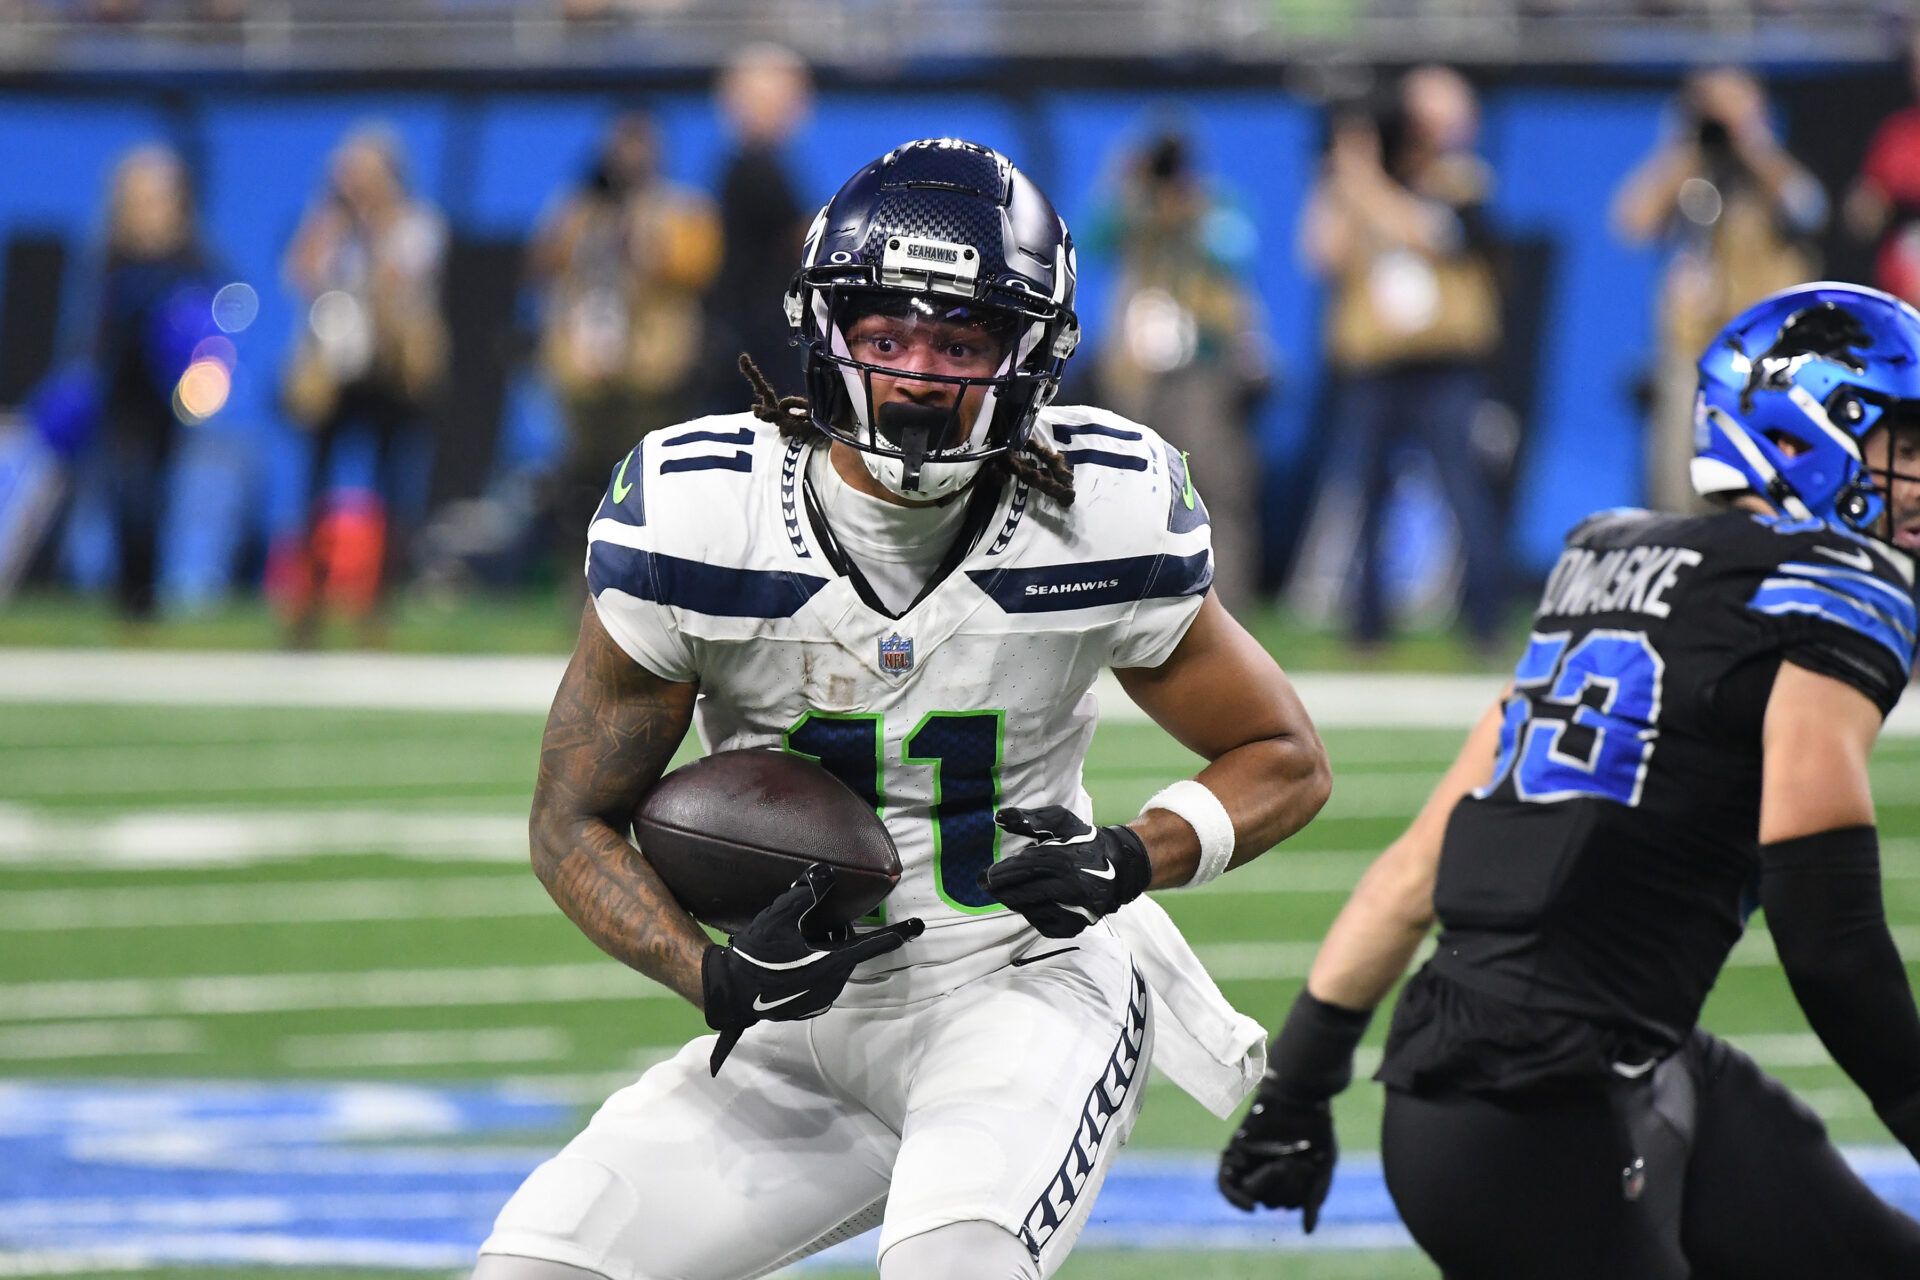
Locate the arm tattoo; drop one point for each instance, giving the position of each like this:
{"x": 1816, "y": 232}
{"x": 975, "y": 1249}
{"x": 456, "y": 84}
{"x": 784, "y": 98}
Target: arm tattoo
{"x": 613, "y": 728}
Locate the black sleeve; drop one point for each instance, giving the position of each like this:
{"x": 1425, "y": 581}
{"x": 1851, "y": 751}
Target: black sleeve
{"x": 1311, "y": 1058}
{"x": 1851, "y": 662}
{"x": 1821, "y": 894}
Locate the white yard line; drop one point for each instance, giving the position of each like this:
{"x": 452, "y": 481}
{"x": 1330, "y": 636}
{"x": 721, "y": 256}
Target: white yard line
{"x": 375, "y": 682}
{"x": 507, "y": 896}
{"x": 424, "y": 1048}
{"x": 209, "y": 994}
{"x": 110, "y": 1039}
{"x": 75, "y": 1262}
{"x": 220, "y": 994}
{"x": 100, "y": 775}
{"x": 280, "y": 903}
{"x": 240, "y": 837}
{"x": 420, "y": 682}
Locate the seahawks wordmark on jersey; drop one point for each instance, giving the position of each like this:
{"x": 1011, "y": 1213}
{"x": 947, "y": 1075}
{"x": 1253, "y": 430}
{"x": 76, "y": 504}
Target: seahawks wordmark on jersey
{"x": 705, "y": 565}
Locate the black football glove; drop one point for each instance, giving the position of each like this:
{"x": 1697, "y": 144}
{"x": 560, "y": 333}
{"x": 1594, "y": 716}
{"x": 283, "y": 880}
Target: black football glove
{"x": 1073, "y": 875}
{"x": 1281, "y": 1156}
{"x": 781, "y": 968}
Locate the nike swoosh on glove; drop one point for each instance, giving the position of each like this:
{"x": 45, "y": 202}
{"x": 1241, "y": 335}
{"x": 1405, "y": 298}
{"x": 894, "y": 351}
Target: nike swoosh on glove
{"x": 1281, "y": 1156}
{"x": 1072, "y": 874}
{"x": 780, "y": 968}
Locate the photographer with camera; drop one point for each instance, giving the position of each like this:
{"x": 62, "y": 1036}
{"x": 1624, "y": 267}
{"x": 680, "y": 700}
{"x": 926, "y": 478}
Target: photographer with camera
{"x": 365, "y": 265}
{"x": 624, "y": 260}
{"x": 1396, "y": 225}
{"x": 1739, "y": 214}
{"x": 1189, "y": 345}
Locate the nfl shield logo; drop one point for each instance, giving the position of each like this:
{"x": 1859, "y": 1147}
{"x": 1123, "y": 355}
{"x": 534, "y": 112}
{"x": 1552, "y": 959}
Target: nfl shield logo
{"x": 896, "y": 653}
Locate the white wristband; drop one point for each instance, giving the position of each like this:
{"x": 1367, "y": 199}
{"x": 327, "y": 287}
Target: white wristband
{"x": 1190, "y": 800}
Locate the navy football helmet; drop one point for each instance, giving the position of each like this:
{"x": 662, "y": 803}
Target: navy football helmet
{"x": 946, "y": 232}
{"x": 1790, "y": 388}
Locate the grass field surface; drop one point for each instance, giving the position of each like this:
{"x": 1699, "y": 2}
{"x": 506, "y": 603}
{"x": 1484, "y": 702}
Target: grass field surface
{"x": 279, "y": 901}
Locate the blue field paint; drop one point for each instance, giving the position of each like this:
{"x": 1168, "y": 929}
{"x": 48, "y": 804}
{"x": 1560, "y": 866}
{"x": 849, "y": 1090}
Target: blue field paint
{"x": 402, "y": 1176}
{"x": 202, "y": 1173}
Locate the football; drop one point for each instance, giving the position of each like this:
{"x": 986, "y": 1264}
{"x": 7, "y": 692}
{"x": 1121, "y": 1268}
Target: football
{"x": 731, "y": 831}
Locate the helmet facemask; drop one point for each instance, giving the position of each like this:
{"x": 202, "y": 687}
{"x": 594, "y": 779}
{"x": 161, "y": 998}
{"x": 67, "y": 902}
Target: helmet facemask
{"x": 938, "y": 231}
{"x": 888, "y": 373}
{"x": 1883, "y": 501}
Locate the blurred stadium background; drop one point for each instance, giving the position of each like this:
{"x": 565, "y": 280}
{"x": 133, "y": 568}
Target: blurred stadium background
{"x": 276, "y": 993}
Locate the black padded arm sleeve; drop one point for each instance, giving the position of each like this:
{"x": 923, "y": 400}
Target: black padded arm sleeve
{"x": 1311, "y": 1058}
{"x": 1821, "y": 894}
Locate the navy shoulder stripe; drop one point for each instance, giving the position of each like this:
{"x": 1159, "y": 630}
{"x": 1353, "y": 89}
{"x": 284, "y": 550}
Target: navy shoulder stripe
{"x": 1090, "y": 584}
{"x": 1065, "y": 432}
{"x": 743, "y": 436}
{"x": 1099, "y": 458}
{"x": 626, "y": 497}
{"x": 698, "y": 587}
{"x": 741, "y": 461}
{"x": 1186, "y": 510}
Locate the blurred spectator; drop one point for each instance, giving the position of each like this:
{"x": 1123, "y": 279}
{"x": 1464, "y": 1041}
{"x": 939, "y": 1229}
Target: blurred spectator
{"x": 1883, "y": 207}
{"x": 154, "y": 306}
{"x": 1396, "y": 223}
{"x": 367, "y": 261}
{"x": 626, "y": 258}
{"x": 765, "y": 92}
{"x": 1187, "y": 351}
{"x": 1738, "y": 213}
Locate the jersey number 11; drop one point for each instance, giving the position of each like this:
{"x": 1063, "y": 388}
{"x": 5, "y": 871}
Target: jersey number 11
{"x": 963, "y": 749}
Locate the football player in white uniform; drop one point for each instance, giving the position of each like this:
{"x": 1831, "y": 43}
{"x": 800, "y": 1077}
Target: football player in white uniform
{"x": 914, "y": 575}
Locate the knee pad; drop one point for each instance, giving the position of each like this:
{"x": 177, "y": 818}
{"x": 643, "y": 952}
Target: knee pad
{"x": 503, "y": 1266}
{"x": 960, "y": 1251}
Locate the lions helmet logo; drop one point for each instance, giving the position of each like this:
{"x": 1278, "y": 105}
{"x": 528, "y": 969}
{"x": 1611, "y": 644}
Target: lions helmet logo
{"x": 1824, "y": 332}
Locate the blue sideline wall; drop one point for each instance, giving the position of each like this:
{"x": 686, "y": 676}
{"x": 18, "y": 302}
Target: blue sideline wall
{"x": 494, "y": 159}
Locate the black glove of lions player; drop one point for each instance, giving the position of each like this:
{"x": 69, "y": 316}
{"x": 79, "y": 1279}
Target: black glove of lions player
{"x": 779, "y": 969}
{"x": 1072, "y": 875}
{"x": 1282, "y": 1155}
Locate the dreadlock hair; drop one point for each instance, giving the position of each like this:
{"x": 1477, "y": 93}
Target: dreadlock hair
{"x": 1036, "y": 464}
{"x": 790, "y": 413}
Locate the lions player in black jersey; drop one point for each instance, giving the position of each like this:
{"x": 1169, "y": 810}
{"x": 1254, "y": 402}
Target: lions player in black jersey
{"x": 1684, "y": 739}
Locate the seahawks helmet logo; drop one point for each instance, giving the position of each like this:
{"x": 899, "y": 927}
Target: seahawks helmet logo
{"x": 916, "y": 262}
{"x": 1824, "y": 332}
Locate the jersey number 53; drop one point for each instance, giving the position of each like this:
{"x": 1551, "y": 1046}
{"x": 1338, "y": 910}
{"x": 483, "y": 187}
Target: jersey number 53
{"x": 1582, "y": 719}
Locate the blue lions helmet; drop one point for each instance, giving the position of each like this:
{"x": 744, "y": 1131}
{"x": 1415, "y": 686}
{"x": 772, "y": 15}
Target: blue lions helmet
{"x": 1790, "y": 388}
{"x": 946, "y": 231}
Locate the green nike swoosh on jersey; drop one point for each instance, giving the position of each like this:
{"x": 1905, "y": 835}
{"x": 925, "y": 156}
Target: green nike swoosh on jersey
{"x": 1188, "y": 495}
{"x": 621, "y": 488}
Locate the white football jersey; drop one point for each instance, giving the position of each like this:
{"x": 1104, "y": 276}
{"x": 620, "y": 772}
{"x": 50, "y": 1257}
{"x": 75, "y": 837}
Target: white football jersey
{"x": 704, "y": 565}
